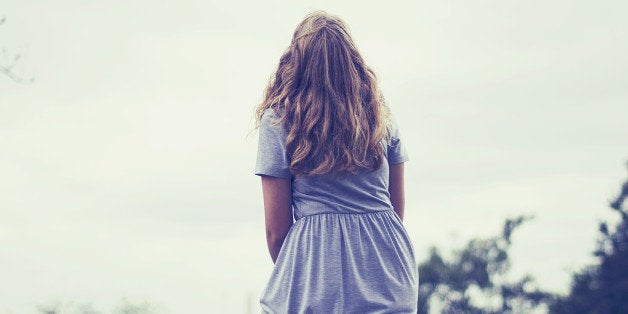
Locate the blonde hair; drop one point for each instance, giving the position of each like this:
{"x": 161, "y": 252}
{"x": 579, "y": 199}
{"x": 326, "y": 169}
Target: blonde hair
{"x": 335, "y": 114}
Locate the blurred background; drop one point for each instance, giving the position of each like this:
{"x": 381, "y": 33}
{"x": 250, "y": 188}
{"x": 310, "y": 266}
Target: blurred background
{"x": 126, "y": 162}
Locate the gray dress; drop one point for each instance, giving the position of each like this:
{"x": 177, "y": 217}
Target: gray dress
{"x": 347, "y": 251}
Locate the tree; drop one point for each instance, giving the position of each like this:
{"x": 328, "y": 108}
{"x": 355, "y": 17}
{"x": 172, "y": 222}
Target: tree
{"x": 603, "y": 287}
{"x": 70, "y": 307}
{"x": 474, "y": 275}
{"x": 8, "y": 63}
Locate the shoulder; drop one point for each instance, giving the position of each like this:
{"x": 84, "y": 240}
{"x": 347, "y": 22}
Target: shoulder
{"x": 271, "y": 115}
{"x": 271, "y": 125}
{"x": 394, "y": 129}
{"x": 392, "y": 135}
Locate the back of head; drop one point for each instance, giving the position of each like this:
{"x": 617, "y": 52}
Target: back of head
{"x": 335, "y": 114}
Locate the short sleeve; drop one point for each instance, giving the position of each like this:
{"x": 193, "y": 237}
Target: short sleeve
{"x": 272, "y": 159}
{"x": 397, "y": 150}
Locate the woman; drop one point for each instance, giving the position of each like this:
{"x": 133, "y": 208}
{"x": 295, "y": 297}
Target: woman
{"x": 330, "y": 154}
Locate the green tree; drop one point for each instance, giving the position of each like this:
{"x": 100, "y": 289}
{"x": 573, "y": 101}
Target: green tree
{"x": 475, "y": 275}
{"x": 603, "y": 287}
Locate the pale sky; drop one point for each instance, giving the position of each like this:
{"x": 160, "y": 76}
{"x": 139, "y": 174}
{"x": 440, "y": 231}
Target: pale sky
{"x": 126, "y": 170}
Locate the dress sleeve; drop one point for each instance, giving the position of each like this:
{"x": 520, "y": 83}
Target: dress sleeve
{"x": 272, "y": 159}
{"x": 397, "y": 150}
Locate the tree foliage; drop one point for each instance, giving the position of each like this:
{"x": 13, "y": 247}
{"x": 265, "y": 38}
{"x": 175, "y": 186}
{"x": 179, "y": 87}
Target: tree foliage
{"x": 472, "y": 281}
{"x": 603, "y": 287}
{"x": 126, "y": 307}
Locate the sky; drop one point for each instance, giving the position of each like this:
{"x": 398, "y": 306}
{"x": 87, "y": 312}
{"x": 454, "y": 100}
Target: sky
{"x": 126, "y": 166}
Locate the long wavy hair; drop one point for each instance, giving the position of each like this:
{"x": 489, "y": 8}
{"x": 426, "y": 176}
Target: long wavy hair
{"x": 335, "y": 114}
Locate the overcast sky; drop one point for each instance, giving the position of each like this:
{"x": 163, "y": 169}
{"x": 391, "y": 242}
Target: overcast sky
{"x": 126, "y": 169}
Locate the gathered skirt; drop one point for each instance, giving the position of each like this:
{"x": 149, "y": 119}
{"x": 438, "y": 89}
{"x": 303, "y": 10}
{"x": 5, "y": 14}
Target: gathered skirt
{"x": 344, "y": 263}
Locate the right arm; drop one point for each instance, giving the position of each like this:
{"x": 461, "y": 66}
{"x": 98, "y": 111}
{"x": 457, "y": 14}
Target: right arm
{"x": 396, "y": 188}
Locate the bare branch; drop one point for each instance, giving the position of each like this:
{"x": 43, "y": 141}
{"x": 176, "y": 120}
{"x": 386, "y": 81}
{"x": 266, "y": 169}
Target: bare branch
{"x": 6, "y": 66}
{"x": 18, "y": 79}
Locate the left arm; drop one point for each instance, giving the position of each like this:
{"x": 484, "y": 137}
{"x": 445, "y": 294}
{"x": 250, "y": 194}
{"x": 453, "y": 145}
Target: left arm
{"x": 278, "y": 211}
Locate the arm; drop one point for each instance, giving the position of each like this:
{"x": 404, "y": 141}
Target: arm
{"x": 278, "y": 211}
{"x": 396, "y": 189}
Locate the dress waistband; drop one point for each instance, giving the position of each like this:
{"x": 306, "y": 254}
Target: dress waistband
{"x": 387, "y": 210}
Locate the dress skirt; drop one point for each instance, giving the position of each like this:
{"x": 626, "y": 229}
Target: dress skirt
{"x": 344, "y": 263}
